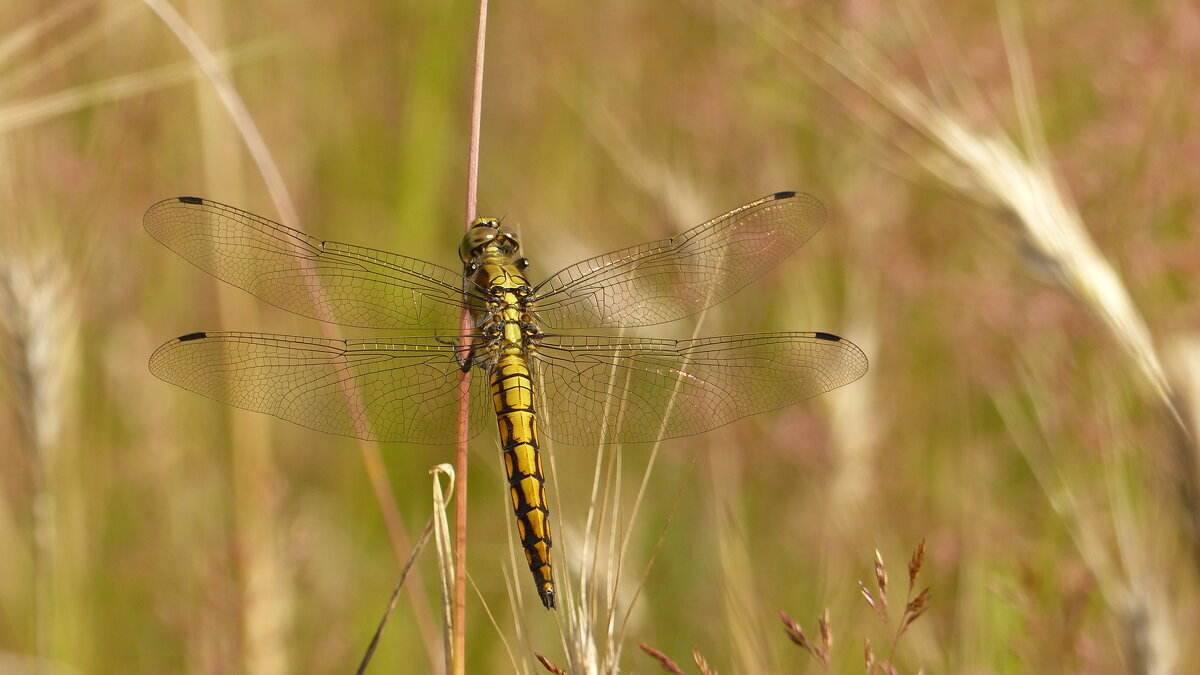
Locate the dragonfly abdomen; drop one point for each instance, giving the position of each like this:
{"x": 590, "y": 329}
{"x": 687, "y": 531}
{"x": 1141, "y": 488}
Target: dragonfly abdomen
{"x": 512, "y": 394}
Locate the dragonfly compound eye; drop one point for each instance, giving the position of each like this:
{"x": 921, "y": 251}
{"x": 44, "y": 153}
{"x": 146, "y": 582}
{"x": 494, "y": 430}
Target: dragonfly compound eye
{"x": 482, "y": 232}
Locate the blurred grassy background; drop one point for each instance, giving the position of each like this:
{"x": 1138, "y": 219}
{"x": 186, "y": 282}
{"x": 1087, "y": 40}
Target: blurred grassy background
{"x": 1016, "y": 414}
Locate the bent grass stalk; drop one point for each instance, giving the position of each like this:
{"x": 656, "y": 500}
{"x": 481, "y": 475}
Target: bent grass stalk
{"x": 1017, "y": 180}
{"x": 33, "y": 111}
{"x": 1121, "y": 553}
{"x": 53, "y": 56}
{"x": 990, "y": 169}
{"x": 29, "y": 34}
{"x": 273, "y": 178}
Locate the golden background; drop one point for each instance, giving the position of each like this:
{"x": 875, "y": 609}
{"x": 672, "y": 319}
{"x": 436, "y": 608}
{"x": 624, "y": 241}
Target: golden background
{"x": 1012, "y": 190}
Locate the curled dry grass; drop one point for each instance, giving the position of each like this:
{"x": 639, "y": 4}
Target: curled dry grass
{"x": 987, "y": 166}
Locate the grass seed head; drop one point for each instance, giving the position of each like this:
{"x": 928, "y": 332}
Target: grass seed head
{"x": 826, "y": 634}
{"x": 915, "y": 609}
{"x": 881, "y": 579}
{"x": 667, "y": 664}
{"x": 862, "y": 588}
{"x": 549, "y": 666}
{"x": 915, "y": 565}
{"x": 795, "y": 632}
{"x": 705, "y": 669}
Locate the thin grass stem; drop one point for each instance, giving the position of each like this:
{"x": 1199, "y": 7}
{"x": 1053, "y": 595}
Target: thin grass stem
{"x": 412, "y": 558}
{"x": 23, "y": 113}
{"x": 459, "y": 621}
{"x": 251, "y": 136}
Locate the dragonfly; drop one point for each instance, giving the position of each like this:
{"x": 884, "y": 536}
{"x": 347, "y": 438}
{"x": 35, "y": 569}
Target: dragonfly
{"x": 534, "y": 376}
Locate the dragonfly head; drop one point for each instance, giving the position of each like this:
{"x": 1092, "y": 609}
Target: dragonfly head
{"x": 485, "y": 239}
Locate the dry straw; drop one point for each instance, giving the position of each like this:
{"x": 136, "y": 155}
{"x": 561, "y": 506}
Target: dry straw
{"x": 1185, "y": 358}
{"x": 438, "y": 526}
{"x": 597, "y": 607}
{"x": 987, "y": 167}
{"x": 213, "y": 69}
{"x": 1017, "y": 181}
{"x": 39, "y": 328}
{"x": 1126, "y": 558}
{"x": 19, "y": 113}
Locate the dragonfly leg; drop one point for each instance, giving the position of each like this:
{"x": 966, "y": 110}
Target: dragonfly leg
{"x": 466, "y": 358}
{"x": 464, "y": 361}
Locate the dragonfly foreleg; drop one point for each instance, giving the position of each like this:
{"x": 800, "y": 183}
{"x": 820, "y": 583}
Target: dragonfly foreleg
{"x": 466, "y": 357}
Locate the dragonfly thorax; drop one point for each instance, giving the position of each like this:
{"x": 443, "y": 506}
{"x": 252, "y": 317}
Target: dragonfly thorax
{"x": 503, "y": 308}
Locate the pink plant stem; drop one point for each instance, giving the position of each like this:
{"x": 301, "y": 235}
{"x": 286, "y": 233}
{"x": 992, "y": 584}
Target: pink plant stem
{"x": 458, "y": 666}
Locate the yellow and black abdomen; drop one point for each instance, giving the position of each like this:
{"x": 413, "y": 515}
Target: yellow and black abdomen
{"x": 512, "y": 394}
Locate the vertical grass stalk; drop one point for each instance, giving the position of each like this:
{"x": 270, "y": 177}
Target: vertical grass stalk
{"x": 458, "y": 658}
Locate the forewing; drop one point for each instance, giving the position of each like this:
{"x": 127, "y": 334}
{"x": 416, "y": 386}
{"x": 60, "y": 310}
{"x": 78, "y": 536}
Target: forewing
{"x": 673, "y": 278}
{"x": 402, "y": 389}
{"x": 326, "y": 280}
{"x": 630, "y": 390}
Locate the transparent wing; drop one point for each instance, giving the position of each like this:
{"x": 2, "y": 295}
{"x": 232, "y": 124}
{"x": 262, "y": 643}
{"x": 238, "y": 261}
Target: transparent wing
{"x": 401, "y": 389}
{"x": 673, "y": 278}
{"x": 326, "y": 280}
{"x": 631, "y": 390}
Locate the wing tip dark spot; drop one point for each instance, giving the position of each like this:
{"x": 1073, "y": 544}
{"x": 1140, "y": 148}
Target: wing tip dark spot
{"x": 827, "y": 336}
{"x": 192, "y": 336}
{"x": 191, "y": 200}
{"x": 785, "y": 194}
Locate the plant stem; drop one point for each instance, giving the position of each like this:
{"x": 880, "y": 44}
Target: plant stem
{"x": 458, "y": 665}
